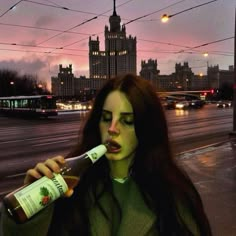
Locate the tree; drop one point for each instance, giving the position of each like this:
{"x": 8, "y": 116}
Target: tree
{"x": 12, "y": 84}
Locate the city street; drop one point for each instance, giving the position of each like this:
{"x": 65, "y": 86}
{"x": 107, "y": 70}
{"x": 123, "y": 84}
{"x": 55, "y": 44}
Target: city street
{"x": 200, "y": 137}
{"x": 24, "y": 142}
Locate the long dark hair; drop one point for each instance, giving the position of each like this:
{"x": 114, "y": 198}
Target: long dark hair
{"x": 162, "y": 182}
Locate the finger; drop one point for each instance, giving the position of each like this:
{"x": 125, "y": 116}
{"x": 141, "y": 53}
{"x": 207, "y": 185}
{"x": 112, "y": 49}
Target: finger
{"x": 53, "y": 165}
{"x": 31, "y": 176}
{"x": 47, "y": 168}
{"x": 69, "y": 192}
{"x": 59, "y": 159}
{"x": 43, "y": 169}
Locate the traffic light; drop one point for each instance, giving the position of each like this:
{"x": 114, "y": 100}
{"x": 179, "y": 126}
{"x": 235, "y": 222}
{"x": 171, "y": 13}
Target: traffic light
{"x": 212, "y": 91}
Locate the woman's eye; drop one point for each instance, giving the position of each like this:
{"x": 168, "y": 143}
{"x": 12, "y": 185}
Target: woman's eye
{"x": 128, "y": 121}
{"x": 106, "y": 118}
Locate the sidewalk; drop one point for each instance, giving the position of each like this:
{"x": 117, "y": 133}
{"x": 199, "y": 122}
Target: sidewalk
{"x": 213, "y": 171}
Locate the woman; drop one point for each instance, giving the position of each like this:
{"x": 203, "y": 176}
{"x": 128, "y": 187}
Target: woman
{"x": 137, "y": 188}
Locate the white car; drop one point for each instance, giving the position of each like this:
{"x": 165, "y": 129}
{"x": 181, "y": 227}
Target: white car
{"x": 182, "y": 105}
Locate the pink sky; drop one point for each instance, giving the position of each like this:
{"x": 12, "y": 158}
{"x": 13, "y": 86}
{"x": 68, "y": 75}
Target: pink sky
{"x": 21, "y": 26}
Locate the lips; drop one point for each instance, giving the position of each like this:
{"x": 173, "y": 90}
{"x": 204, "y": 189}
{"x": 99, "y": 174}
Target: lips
{"x": 112, "y": 146}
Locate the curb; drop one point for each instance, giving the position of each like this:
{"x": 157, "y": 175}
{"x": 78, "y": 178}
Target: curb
{"x": 203, "y": 147}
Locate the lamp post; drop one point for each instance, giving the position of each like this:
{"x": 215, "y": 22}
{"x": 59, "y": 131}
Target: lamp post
{"x": 234, "y": 84}
{"x": 12, "y": 91}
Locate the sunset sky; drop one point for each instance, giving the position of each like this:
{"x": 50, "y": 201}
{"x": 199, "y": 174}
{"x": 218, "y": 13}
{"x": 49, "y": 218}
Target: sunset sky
{"x": 36, "y": 36}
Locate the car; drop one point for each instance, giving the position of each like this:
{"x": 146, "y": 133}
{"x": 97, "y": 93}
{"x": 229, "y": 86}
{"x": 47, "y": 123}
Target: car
{"x": 224, "y": 104}
{"x": 196, "y": 104}
{"x": 170, "y": 104}
{"x": 182, "y": 105}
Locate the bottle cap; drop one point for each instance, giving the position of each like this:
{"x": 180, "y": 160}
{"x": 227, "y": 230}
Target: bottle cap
{"x": 97, "y": 152}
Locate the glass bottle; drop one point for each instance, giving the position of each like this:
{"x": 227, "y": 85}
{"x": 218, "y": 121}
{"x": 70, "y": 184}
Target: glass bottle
{"x": 28, "y": 200}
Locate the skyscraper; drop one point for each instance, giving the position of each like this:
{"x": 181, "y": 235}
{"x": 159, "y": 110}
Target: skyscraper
{"x": 120, "y": 53}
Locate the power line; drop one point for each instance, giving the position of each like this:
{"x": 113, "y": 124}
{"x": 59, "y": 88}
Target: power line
{"x": 31, "y": 51}
{"x": 59, "y": 7}
{"x": 65, "y": 8}
{"x": 200, "y": 5}
{"x": 205, "y": 44}
{"x": 141, "y": 17}
{"x": 42, "y": 28}
{"x": 65, "y": 31}
{"x": 36, "y": 46}
{"x": 165, "y": 43}
{"x": 73, "y": 10}
{"x": 102, "y": 14}
{"x": 4, "y": 13}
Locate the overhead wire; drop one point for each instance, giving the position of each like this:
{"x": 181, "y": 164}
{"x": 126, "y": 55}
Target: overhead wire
{"x": 191, "y": 8}
{"x": 149, "y": 14}
{"x": 4, "y": 13}
{"x": 102, "y": 14}
{"x": 31, "y": 51}
{"x": 205, "y": 44}
{"x": 42, "y": 28}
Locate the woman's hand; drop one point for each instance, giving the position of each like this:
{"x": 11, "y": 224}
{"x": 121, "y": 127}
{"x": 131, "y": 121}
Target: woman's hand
{"x": 46, "y": 168}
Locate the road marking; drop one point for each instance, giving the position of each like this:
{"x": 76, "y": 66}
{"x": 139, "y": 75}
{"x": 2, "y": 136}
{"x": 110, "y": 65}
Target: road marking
{"x": 49, "y": 143}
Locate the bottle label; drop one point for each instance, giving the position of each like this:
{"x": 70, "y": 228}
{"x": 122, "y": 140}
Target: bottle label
{"x": 40, "y": 194}
{"x": 95, "y": 153}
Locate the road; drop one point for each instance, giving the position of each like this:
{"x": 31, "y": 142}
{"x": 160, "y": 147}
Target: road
{"x": 25, "y": 142}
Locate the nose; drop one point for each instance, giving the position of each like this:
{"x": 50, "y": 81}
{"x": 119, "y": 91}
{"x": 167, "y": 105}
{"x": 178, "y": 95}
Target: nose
{"x": 113, "y": 130}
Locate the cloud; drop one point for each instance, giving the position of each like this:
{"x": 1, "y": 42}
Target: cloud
{"x": 23, "y": 66}
{"x": 34, "y": 66}
{"x": 44, "y": 20}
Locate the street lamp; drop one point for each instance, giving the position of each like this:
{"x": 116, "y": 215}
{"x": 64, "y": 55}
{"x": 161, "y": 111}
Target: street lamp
{"x": 166, "y": 17}
{"x": 12, "y": 90}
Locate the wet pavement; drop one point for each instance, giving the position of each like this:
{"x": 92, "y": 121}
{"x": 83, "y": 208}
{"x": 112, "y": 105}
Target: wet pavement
{"x": 213, "y": 171}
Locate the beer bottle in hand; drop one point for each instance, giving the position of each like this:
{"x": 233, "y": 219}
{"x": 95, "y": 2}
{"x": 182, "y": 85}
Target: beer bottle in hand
{"x": 26, "y": 201}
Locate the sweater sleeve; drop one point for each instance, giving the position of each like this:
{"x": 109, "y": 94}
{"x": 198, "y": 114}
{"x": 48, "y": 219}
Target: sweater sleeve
{"x": 38, "y": 225}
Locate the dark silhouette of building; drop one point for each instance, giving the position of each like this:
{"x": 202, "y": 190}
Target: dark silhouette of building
{"x": 150, "y": 72}
{"x": 63, "y": 85}
{"x": 218, "y": 78}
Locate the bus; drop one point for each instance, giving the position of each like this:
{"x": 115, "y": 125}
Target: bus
{"x": 38, "y": 105}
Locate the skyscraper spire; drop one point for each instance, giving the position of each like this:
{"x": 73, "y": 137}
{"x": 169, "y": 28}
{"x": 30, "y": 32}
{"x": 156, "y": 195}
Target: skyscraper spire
{"x": 114, "y": 20}
{"x": 114, "y": 8}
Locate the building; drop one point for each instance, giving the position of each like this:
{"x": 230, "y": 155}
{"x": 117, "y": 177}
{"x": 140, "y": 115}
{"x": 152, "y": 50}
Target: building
{"x": 183, "y": 76}
{"x": 150, "y": 72}
{"x": 185, "y": 80}
{"x": 182, "y": 79}
{"x": 64, "y": 84}
{"x": 120, "y": 53}
{"x": 219, "y": 78}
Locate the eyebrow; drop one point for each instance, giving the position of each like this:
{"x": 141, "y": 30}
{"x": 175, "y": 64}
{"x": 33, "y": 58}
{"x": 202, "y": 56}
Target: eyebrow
{"x": 122, "y": 113}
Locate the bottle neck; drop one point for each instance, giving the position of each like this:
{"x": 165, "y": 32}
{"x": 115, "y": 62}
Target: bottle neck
{"x": 77, "y": 165}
